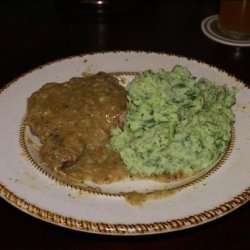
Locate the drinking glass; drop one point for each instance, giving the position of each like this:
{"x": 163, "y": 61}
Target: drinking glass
{"x": 232, "y": 24}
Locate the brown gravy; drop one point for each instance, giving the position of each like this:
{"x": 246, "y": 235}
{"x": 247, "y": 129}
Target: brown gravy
{"x": 73, "y": 122}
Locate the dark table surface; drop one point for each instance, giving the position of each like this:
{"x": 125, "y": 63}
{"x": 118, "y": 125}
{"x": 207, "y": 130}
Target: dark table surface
{"x": 36, "y": 32}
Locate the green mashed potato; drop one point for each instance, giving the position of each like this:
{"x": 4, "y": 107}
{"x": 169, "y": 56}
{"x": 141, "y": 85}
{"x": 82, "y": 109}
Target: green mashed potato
{"x": 175, "y": 123}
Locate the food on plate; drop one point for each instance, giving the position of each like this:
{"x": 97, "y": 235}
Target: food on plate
{"x": 163, "y": 126}
{"x": 73, "y": 121}
{"x": 175, "y": 124}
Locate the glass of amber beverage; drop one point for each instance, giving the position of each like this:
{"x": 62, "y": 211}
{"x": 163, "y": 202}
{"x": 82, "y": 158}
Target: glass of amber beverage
{"x": 234, "y": 18}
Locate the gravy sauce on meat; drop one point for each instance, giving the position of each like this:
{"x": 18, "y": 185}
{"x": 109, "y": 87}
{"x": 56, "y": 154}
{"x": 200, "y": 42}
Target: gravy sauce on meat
{"x": 73, "y": 121}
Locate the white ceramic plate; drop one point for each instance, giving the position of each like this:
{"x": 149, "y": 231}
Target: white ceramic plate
{"x": 33, "y": 192}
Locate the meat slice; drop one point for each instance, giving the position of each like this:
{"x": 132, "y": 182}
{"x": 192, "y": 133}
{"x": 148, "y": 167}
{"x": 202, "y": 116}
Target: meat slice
{"x": 74, "y": 118}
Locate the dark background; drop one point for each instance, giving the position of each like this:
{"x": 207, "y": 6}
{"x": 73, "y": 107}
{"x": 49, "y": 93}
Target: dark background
{"x": 37, "y": 32}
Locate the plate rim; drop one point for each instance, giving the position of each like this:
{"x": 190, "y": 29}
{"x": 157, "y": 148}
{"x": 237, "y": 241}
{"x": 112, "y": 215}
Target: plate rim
{"x": 122, "y": 229}
{"x": 138, "y": 229}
